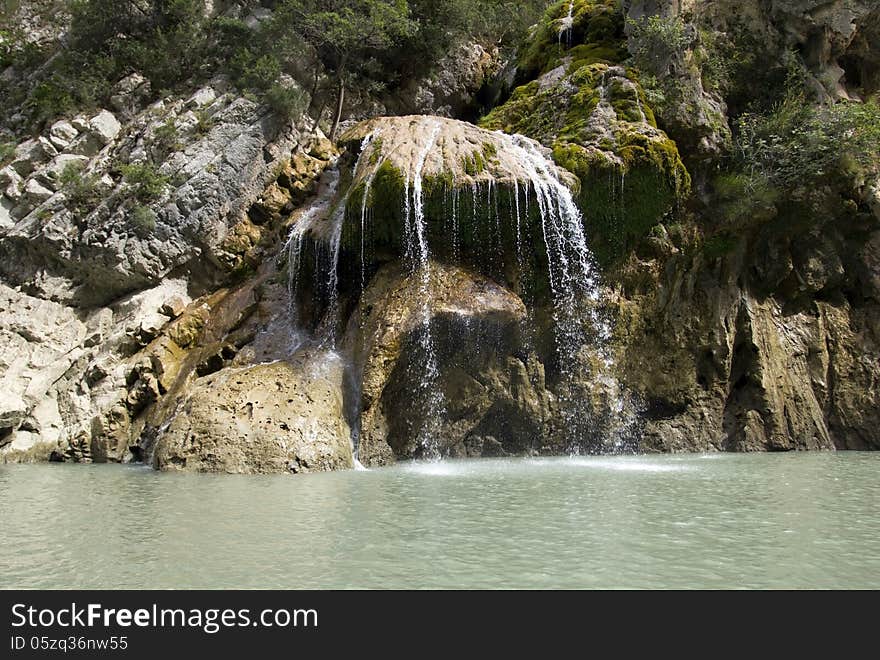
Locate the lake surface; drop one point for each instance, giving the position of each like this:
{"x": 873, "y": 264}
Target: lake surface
{"x": 733, "y": 521}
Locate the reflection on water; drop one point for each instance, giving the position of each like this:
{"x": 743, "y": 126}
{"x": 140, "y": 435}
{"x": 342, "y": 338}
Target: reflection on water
{"x": 805, "y": 520}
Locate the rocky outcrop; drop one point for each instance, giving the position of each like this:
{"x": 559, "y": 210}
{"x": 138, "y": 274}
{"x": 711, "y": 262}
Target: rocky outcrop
{"x": 771, "y": 346}
{"x": 593, "y": 113}
{"x": 119, "y": 233}
{"x": 491, "y": 386}
{"x": 119, "y": 209}
{"x": 459, "y": 86}
{"x": 278, "y": 417}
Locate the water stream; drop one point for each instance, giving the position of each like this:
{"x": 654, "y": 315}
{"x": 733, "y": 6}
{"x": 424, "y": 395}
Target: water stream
{"x": 418, "y": 257}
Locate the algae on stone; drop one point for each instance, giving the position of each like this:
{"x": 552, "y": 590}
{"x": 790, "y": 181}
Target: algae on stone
{"x": 593, "y": 114}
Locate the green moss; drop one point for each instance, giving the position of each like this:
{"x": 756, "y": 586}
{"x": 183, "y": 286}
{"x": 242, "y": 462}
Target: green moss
{"x": 719, "y": 245}
{"x": 490, "y": 151}
{"x": 586, "y": 54}
{"x": 377, "y": 151}
{"x": 631, "y": 174}
{"x": 622, "y": 200}
{"x": 597, "y": 24}
{"x": 474, "y": 164}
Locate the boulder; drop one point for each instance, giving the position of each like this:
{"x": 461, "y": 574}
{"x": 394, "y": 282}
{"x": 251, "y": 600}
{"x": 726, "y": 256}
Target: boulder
{"x": 273, "y": 418}
{"x": 10, "y": 183}
{"x": 202, "y": 98}
{"x": 488, "y": 383}
{"x": 105, "y": 126}
{"x": 475, "y": 186}
{"x": 35, "y": 193}
{"x": 29, "y": 155}
{"x": 61, "y": 134}
{"x": 130, "y": 93}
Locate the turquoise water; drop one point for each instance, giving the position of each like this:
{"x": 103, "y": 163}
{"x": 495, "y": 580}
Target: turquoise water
{"x": 793, "y": 520}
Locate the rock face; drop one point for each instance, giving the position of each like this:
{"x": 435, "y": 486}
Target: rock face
{"x": 727, "y": 369}
{"x": 279, "y": 417}
{"x": 594, "y": 115}
{"x": 494, "y": 398}
{"x": 191, "y": 283}
{"x": 93, "y": 238}
{"x": 455, "y": 86}
{"x": 117, "y": 232}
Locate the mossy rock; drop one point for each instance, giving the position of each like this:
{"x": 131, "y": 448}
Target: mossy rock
{"x": 596, "y": 35}
{"x": 593, "y": 113}
{"x": 478, "y": 203}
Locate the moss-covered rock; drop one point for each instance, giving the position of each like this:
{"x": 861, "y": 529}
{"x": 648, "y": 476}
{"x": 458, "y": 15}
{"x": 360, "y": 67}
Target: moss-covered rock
{"x": 594, "y": 33}
{"x": 477, "y": 199}
{"x": 593, "y": 114}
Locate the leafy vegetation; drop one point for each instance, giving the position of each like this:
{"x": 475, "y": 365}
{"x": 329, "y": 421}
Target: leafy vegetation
{"x": 142, "y": 220}
{"x": 81, "y": 190}
{"x": 326, "y": 46}
{"x": 145, "y": 179}
{"x": 7, "y": 151}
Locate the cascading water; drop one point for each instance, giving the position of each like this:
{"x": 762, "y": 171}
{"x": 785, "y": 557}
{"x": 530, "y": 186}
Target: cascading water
{"x": 523, "y": 183}
{"x": 293, "y": 250}
{"x": 566, "y": 26}
{"x": 368, "y": 182}
{"x": 579, "y": 325}
{"x": 418, "y": 258}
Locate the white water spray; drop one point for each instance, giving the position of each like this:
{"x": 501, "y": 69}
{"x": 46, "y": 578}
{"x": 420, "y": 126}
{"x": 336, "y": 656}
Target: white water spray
{"x": 418, "y": 256}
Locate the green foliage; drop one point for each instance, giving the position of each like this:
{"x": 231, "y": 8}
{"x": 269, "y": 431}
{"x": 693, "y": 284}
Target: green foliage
{"x": 167, "y": 138}
{"x": 743, "y": 198}
{"x": 81, "y": 190}
{"x": 7, "y": 151}
{"x": 16, "y": 50}
{"x": 658, "y": 40}
{"x": 286, "y": 102}
{"x": 255, "y": 71}
{"x": 369, "y": 45}
{"x": 798, "y": 144}
{"x": 720, "y": 244}
{"x": 145, "y": 180}
{"x": 204, "y": 122}
{"x": 142, "y": 220}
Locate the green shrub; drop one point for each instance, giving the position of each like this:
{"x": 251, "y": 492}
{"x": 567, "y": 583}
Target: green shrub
{"x": 142, "y": 220}
{"x": 255, "y": 71}
{"x": 7, "y": 151}
{"x": 657, "y": 41}
{"x": 167, "y": 138}
{"x": 286, "y": 102}
{"x": 145, "y": 180}
{"x": 798, "y": 143}
{"x": 81, "y": 190}
{"x": 204, "y": 122}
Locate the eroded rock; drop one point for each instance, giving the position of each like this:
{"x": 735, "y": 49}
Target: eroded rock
{"x": 273, "y": 418}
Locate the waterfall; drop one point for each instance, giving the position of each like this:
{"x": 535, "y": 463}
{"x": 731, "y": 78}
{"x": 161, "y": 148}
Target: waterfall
{"x": 566, "y": 25}
{"x": 575, "y": 288}
{"x": 418, "y": 258}
{"x": 531, "y": 189}
{"x": 293, "y": 249}
{"x": 368, "y": 182}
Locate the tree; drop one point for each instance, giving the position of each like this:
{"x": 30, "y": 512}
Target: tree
{"x": 346, "y": 35}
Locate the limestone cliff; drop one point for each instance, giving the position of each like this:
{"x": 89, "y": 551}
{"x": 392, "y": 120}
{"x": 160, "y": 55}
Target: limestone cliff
{"x": 196, "y": 280}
